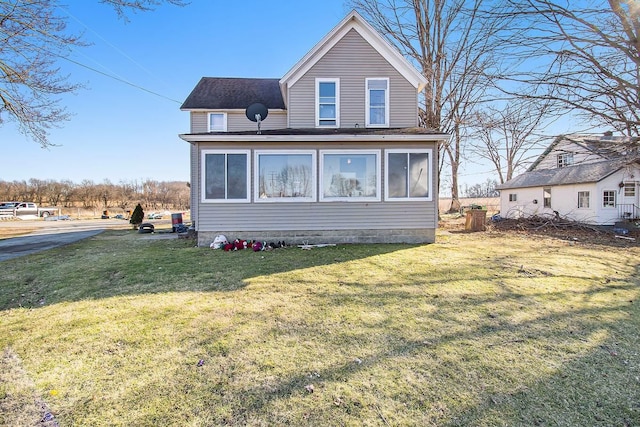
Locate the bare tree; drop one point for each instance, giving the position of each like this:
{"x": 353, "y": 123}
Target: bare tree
{"x": 453, "y": 43}
{"x": 583, "y": 56}
{"x": 509, "y": 136}
{"x": 33, "y": 38}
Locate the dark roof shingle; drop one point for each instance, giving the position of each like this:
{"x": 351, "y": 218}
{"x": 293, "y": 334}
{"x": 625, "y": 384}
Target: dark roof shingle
{"x": 577, "y": 174}
{"x": 221, "y": 93}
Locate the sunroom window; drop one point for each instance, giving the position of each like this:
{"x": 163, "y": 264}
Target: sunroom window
{"x": 225, "y": 176}
{"x": 350, "y": 175}
{"x": 285, "y": 176}
{"x": 408, "y": 173}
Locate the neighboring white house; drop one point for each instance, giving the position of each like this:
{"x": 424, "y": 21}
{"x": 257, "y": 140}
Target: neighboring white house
{"x": 587, "y": 178}
{"x": 340, "y": 157}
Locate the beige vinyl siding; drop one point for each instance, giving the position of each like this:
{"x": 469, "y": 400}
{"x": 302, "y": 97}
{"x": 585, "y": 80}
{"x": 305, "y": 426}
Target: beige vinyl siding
{"x": 381, "y": 215}
{"x": 580, "y": 155}
{"x": 195, "y": 182}
{"x": 352, "y": 60}
{"x": 237, "y": 121}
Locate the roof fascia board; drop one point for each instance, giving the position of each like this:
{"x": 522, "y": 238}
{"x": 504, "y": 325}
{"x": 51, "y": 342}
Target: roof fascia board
{"x": 354, "y": 21}
{"x": 227, "y": 110}
{"x": 310, "y": 138}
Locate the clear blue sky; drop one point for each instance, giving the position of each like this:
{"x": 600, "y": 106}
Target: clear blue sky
{"x": 123, "y": 133}
{"x": 119, "y": 132}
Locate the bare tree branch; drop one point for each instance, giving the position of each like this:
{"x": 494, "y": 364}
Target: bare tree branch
{"x": 33, "y": 38}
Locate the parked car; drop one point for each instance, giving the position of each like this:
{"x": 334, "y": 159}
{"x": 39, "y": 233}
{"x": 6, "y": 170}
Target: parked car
{"x": 26, "y": 208}
{"x": 154, "y": 215}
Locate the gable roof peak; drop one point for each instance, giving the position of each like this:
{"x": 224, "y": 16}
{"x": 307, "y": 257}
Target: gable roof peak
{"x": 354, "y": 21}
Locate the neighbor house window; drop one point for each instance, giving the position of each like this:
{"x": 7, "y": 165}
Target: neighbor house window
{"x": 629, "y": 189}
{"x": 609, "y": 199}
{"x": 565, "y": 159}
{"x": 350, "y": 175}
{"x": 377, "y": 101}
{"x": 328, "y": 102}
{"x": 583, "y": 199}
{"x": 285, "y": 176}
{"x": 217, "y": 122}
{"x": 547, "y": 197}
{"x": 408, "y": 174}
{"x": 225, "y": 176}
{"x": 513, "y": 197}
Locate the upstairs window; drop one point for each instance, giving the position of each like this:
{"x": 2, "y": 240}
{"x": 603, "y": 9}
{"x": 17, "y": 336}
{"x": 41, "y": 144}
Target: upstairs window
{"x": 327, "y": 102}
{"x": 377, "y": 101}
{"x": 513, "y": 197}
{"x": 565, "y": 159}
{"x": 217, "y": 122}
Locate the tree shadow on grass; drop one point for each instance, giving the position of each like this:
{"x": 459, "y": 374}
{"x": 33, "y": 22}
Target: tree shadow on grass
{"x": 112, "y": 265}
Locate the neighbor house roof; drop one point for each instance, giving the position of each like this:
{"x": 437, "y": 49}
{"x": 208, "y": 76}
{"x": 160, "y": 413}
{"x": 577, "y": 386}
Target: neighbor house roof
{"x": 577, "y": 174}
{"x": 608, "y": 147}
{"x": 226, "y": 93}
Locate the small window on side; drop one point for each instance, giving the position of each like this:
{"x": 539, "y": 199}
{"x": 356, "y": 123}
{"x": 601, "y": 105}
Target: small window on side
{"x": 547, "y": 197}
{"x": 513, "y": 197}
{"x": 217, "y": 122}
{"x": 583, "y": 199}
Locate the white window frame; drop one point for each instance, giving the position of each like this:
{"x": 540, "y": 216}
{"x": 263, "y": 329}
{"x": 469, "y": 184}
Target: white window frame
{"x": 545, "y": 191}
{"x": 429, "y": 153}
{"x": 336, "y": 81}
{"x": 582, "y": 197}
{"x": 368, "y": 104}
{"x": 609, "y": 206}
{"x": 224, "y": 121}
{"x": 377, "y": 198}
{"x": 513, "y": 197}
{"x": 629, "y": 189}
{"x": 564, "y": 160}
{"x": 314, "y": 177}
{"x": 203, "y": 176}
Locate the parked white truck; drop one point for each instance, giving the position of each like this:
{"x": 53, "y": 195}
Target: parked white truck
{"x": 25, "y": 208}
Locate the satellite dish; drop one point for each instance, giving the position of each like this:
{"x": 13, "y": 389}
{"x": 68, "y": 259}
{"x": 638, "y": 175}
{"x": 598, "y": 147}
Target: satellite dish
{"x": 257, "y": 113}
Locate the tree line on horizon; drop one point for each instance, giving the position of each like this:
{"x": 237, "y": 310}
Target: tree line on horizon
{"x": 88, "y": 194}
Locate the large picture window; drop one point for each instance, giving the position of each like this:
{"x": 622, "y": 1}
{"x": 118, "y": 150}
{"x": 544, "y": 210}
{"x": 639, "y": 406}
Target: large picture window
{"x": 328, "y": 102}
{"x": 225, "y": 176}
{"x": 350, "y": 175}
{"x": 285, "y": 176}
{"x": 408, "y": 175}
{"x": 377, "y": 99}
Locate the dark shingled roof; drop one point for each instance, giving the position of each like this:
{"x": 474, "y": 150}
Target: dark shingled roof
{"x": 213, "y": 93}
{"x": 577, "y": 174}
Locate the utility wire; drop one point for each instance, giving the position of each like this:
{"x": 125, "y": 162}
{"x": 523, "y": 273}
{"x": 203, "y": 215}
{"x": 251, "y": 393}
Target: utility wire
{"x": 121, "y": 80}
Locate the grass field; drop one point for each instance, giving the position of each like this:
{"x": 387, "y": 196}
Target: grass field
{"x": 478, "y": 329}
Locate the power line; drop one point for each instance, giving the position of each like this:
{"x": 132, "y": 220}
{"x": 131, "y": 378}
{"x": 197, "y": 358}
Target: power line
{"x": 121, "y": 80}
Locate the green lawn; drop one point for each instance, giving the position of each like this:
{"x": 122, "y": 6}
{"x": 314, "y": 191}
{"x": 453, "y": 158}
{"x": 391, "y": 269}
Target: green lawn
{"x": 480, "y": 329}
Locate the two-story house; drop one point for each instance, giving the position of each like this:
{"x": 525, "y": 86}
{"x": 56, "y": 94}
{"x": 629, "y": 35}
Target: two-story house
{"x": 338, "y": 156}
{"x": 592, "y": 179}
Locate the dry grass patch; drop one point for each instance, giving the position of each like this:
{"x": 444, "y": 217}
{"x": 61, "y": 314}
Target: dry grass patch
{"x": 479, "y": 329}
